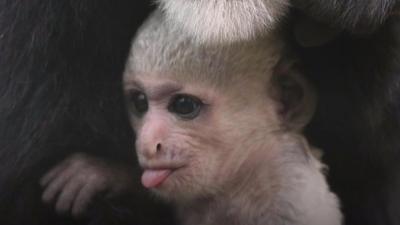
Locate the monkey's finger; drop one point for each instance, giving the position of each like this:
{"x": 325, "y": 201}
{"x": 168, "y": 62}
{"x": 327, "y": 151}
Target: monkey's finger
{"x": 56, "y": 185}
{"x": 53, "y": 173}
{"x": 68, "y": 195}
{"x": 84, "y": 198}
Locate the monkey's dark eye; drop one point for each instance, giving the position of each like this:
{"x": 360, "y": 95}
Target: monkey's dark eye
{"x": 139, "y": 102}
{"x": 185, "y": 106}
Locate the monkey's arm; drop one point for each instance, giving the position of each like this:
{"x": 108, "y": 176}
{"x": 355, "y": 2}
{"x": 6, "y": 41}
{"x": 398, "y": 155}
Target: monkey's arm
{"x": 73, "y": 184}
{"x": 352, "y": 15}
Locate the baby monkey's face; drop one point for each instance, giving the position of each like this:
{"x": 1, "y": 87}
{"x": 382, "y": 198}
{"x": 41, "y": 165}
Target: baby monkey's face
{"x": 187, "y": 136}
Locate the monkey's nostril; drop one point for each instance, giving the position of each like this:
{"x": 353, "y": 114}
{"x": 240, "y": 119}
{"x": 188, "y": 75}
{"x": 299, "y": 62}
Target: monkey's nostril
{"x": 158, "y": 148}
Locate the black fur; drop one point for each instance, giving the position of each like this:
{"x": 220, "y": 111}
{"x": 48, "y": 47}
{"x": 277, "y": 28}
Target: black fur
{"x": 357, "y": 122}
{"x": 60, "y": 76}
{"x": 356, "y": 16}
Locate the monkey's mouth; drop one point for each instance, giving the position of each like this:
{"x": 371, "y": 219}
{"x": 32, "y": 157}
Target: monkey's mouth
{"x": 154, "y": 177}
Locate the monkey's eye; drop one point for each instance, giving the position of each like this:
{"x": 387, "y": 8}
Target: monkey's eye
{"x": 185, "y": 106}
{"x": 139, "y": 102}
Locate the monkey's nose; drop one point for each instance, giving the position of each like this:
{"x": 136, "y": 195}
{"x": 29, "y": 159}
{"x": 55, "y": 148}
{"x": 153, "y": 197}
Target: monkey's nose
{"x": 158, "y": 148}
{"x": 152, "y": 152}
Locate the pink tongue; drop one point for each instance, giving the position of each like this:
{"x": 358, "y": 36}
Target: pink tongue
{"x": 153, "y": 178}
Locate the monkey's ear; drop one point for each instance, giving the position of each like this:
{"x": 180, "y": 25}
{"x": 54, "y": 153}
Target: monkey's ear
{"x": 296, "y": 97}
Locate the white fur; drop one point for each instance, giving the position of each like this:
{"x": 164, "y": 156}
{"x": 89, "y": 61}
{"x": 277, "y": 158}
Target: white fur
{"x": 290, "y": 190}
{"x": 224, "y": 20}
{"x": 160, "y": 47}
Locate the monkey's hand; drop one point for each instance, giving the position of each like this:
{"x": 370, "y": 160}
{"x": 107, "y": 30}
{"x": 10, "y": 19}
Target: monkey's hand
{"x": 73, "y": 184}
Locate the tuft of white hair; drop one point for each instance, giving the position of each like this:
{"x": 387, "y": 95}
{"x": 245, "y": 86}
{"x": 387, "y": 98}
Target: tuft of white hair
{"x": 218, "y": 21}
{"x": 159, "y": 48}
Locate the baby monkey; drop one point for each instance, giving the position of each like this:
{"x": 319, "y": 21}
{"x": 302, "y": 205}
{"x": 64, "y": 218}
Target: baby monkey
{"x": 219, "y": 130}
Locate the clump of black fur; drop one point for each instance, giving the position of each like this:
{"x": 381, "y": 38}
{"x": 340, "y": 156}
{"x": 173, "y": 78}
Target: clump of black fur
{"x": 356, "y": 16}
{"x": 61, "y": 63}
{"x": 357, "y": 121}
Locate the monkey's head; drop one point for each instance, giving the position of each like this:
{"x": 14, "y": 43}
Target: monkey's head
{"x": 200, "y": 113}
{"x": 224, "y": 20}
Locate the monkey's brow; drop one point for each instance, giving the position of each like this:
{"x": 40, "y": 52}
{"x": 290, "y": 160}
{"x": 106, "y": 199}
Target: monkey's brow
{"x": 134, "y": 83}
{"x": 156, "y": 91}
{"x": 162, "y": 90}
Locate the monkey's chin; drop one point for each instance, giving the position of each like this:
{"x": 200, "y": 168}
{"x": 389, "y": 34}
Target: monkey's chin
{"x": 174, "y": 187}
{"x": 168, "y": 190}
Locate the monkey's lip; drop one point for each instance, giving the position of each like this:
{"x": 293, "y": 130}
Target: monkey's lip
{"x": 155, "y": 176}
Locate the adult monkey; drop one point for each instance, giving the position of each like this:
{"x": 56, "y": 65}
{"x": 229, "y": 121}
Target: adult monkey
{"x": 60, "y": 72}
{"x": 357, "y": 121}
